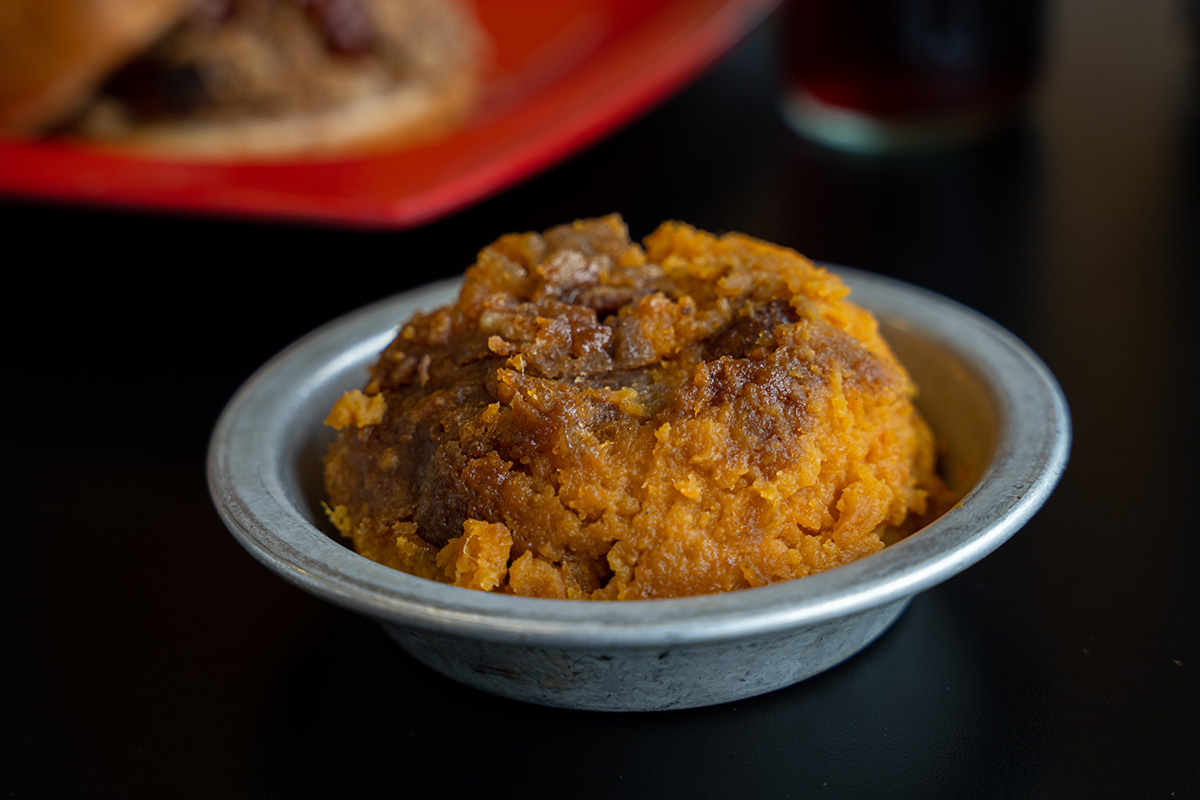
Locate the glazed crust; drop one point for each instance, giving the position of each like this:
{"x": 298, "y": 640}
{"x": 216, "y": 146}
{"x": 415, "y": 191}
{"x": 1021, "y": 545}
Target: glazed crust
{"x": 53, "y": 53}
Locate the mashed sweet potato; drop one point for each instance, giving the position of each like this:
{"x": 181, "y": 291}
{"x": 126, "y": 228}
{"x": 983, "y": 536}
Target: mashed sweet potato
{"x": 597, "y": 420}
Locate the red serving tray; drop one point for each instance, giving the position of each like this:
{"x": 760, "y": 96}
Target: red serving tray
{"x": 564, "y": 73}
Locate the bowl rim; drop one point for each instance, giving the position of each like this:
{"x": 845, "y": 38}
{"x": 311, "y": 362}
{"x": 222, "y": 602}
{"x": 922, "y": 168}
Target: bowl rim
{"x": 246, "y": 480}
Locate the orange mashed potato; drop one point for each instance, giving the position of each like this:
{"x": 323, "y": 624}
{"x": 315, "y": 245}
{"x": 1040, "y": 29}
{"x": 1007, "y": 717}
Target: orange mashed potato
{"x": 594, "y": 419}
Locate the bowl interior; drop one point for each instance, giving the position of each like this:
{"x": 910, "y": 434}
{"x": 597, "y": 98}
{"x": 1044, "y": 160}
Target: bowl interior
{"x": 955, "y": 400}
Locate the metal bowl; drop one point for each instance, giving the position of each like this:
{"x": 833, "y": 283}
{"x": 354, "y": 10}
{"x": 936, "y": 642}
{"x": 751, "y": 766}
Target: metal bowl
{"x": 997, "y": 411}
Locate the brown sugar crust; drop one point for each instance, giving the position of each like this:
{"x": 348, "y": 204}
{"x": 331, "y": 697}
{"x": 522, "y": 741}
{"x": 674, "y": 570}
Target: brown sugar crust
{"x": 597, "y": 420}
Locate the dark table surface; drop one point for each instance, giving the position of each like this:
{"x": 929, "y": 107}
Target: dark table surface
{"x": 147, "y": 655}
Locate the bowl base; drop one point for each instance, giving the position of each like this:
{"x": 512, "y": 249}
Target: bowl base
{"x": 660, "y": 678}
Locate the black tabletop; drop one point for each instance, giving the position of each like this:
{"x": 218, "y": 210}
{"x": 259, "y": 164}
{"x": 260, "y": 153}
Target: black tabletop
{"x": 147, "y": 655}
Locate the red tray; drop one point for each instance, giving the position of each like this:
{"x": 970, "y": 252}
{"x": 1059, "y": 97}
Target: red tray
{"x": 564, "y": 73}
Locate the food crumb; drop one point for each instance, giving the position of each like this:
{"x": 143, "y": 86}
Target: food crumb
{"x": 356, "y": 410}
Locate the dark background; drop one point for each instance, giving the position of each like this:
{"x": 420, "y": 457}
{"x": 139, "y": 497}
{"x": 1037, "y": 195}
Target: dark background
{"x": 146, "y": 655}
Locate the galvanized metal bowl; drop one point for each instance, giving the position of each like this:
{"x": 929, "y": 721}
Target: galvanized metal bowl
{"x": 996, "y": 409}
